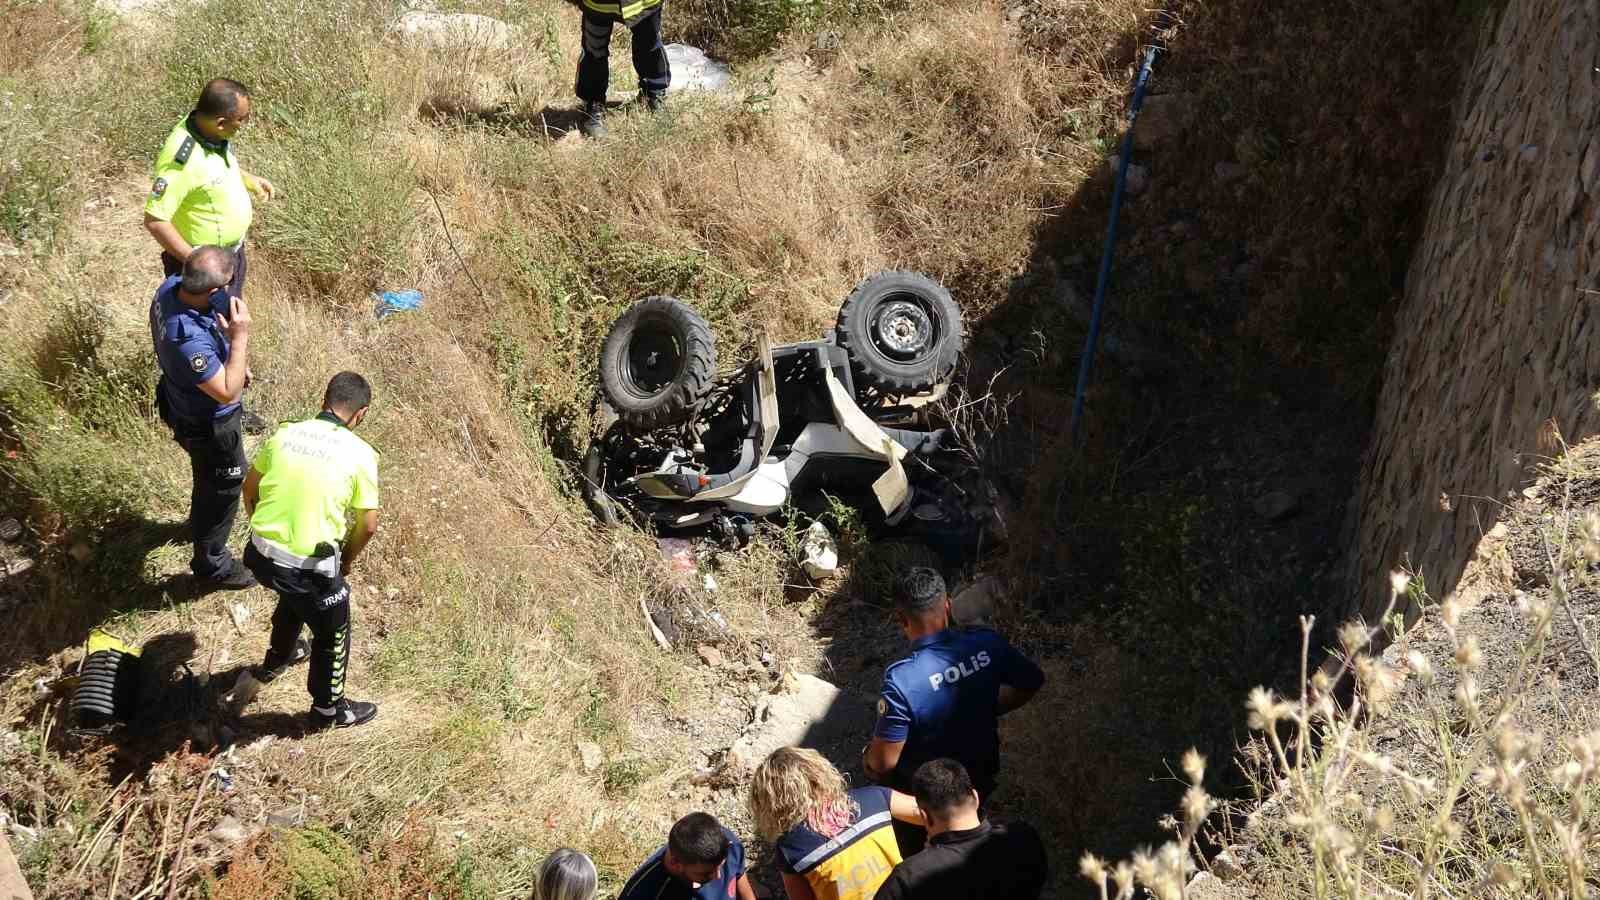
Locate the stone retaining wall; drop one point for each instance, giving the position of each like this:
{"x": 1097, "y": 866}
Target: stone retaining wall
{"x": 1497, "y": 336}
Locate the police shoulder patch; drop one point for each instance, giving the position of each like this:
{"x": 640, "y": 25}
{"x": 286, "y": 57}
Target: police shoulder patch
{"x": 184, "y": 149}
{"x": 883, "y": 707}
{"x": 197, "y": 362}
{"x": 159, "y": 188}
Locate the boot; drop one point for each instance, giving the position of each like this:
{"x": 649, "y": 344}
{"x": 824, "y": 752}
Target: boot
{"x": 234, "y": 578}
{"x": 654, "y": 101}
{"x": 344, "y": 714}
{"x": 272, "y": 668}
{"x": 593, "y": 123}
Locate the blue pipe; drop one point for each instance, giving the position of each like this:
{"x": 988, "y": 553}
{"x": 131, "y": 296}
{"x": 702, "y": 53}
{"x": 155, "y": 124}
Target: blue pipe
{"x": 1086, "y": 364}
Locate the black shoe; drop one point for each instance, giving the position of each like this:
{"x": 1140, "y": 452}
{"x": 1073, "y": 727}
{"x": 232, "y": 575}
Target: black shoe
{"x": 271, "y": 669}
{"x": 345, "y": 714}
{"x": 234, "y": 578}
{"x": 654, "y": 101}
{"x": 593, "y": 123}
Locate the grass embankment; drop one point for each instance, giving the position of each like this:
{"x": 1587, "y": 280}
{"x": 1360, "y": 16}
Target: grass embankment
{"x": 497, "y": 628}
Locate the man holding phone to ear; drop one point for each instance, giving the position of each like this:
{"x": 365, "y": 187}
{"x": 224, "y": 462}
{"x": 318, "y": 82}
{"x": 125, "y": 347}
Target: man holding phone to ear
{"x": 202, "y": 342}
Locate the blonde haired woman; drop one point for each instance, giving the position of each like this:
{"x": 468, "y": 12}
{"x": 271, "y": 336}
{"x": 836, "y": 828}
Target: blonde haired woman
{"x": 566, "y": 874}
{"x": 833, "y": 843}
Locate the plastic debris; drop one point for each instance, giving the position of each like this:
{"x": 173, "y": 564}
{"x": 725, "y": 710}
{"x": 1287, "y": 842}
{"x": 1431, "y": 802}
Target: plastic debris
{"x": 239, "y": 613}
{"x": 391, "y": 302}
{"x": 819, "y": 552}
{"x": 679, "y": 554}
{"x": 224, "y": 780}
{"x": 693, "y": 70}
{"x": 710, "y": 583}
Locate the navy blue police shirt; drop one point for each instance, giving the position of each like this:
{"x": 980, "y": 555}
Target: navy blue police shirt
{"x": 652, "y": 881}
{"x": 190, "y": 348}
{"x": 944, "y": 701}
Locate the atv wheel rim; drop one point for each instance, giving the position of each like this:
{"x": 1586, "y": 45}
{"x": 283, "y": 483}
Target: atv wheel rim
{"x": 903, "y": 330}
{"x": 654, "y": 363}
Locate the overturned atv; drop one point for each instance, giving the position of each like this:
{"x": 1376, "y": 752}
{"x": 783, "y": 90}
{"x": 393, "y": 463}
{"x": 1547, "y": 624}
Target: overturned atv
{"x": 845, "y": 417}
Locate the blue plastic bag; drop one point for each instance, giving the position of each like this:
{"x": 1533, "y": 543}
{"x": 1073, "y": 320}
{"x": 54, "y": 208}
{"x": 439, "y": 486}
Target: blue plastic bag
{"x": 391, "y": 302}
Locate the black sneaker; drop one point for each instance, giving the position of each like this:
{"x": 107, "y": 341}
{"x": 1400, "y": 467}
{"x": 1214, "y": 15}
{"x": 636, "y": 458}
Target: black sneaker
{"x": 270, "y": 669}
{"x": 593, "y": 123}
{"x": 234, "y": 578}
{"x": 345, "y": 714}
{"x": 654, "y": 101}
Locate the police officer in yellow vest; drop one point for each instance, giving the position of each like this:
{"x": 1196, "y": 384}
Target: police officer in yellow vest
{"x": 643, "y": 18}
{"x": 312, "y": 496}
{"x": 200, "y": 195}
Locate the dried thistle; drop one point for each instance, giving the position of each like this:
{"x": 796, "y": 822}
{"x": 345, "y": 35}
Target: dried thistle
{"x": 1197, "y": 804}
{"x": 1265, "y": 708}
{"x": 1467, "y": 698}
{"x": 1450, "y": 613}
{"x": 1379, "y": 683}
{"x": 1092, "y": 868}
{"x": 1194, "y": 765}
{"x": 1469, "y": 656}
{"x": 1420, "y": 667}
{"x": 1398, "y": 582}
{"x": 1352, "y": 636}
{"x": 1124, "y": 877}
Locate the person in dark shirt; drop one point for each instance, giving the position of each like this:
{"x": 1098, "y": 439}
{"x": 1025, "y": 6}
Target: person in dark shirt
{"x": 201, "y": 336}
{"x": 701, "y": 861}
{"x": 967, "y": 857}
{"x": 946, "y": 697}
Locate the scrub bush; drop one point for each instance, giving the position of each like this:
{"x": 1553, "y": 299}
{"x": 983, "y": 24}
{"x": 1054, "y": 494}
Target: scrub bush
{"x": 355, "y": 216}
{"x": 741, "y": 29}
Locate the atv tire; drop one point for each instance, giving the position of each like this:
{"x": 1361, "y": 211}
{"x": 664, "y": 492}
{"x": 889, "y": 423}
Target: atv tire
{"x": 657, "y": 363}
{"x": 902, "y": 331}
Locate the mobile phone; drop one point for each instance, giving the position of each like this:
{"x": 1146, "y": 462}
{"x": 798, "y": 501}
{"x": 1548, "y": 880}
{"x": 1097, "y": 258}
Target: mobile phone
{"x": 221, "y": 301}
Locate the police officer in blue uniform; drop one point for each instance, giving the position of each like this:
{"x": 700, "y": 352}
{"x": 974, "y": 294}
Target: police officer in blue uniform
{"x": 945, "y": 699}
{"x": 202, "y": 336}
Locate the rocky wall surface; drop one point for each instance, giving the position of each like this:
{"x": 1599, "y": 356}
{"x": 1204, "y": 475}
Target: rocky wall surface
{"x": 1497, "y": 344}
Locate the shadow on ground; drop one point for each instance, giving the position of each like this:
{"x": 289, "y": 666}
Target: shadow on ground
{"x": 1158, "y": 569}
{"x": 552, "y": 123}
{"x": 79, "y": 585}
{"x": 175, "y": 707}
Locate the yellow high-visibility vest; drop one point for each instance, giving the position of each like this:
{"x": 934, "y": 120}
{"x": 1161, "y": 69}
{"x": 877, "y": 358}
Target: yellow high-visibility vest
{"x": 629, "y": 11}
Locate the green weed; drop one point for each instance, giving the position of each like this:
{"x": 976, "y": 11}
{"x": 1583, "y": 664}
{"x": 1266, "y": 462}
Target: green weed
{"x": 355, "y": 216}
{"x": 596, "y": 720}
{"x": 621, "y": 776}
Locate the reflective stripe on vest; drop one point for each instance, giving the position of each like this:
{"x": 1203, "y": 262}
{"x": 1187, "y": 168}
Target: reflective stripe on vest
{"x": 626, "y": 10}
{"x": 323, "y": 565}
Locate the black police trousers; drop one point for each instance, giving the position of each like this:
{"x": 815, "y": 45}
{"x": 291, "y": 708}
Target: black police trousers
{"x": 319, "y": 602}
{"x": 170, "y": 267}
{"x": 216, "y": 464}
{"x": 649, "y": 55}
